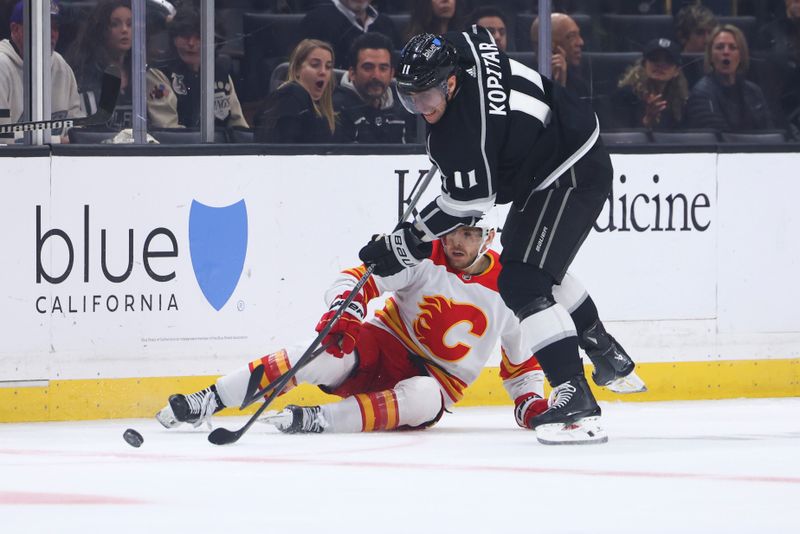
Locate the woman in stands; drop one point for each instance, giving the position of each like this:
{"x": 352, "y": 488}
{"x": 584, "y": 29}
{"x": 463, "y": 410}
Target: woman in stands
{"x": 435, "y": 16}
{"x": 301, "y": 110}
{"x": 723, "y": 99}
{"x": 652, "y": 93}
{"x": 105, "y": 40}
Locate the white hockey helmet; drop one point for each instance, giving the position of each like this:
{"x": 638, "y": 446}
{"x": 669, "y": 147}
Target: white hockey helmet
{"x": 490, "y": 221}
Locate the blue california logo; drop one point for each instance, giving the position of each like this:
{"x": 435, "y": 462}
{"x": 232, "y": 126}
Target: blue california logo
{"x": 218, "y": 246}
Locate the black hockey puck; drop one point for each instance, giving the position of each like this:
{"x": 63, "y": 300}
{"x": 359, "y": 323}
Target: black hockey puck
{"x": 133, "y": 438}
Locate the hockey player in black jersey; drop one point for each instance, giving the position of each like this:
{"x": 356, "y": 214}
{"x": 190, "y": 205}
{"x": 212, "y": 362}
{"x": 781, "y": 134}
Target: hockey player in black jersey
{"x": 500, "y": 133}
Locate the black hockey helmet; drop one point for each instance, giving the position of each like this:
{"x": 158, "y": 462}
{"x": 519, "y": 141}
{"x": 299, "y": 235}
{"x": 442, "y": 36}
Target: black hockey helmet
{"x": 426, "y": 61}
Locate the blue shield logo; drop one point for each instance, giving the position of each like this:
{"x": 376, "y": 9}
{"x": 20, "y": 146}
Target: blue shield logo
{"x": 218, "y": 245}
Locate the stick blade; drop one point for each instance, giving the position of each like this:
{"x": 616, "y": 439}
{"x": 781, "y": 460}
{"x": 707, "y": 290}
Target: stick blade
{"x": 223, "y": 436}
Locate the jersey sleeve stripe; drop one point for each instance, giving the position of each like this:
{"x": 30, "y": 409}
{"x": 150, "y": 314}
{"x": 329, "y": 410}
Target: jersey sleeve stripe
{"x": 465, "y": 208}
{"x": 370, "y": 289}
{"x": 479, "y": 74}
{"x": 518, "y": 101}
{"x": 435, "y": 222}
{"x": 523, "y": 71}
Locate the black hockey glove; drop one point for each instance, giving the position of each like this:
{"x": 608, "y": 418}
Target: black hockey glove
{"x": 394, "y": 252}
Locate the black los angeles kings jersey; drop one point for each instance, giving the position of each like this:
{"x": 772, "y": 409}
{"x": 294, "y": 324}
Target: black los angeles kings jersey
{"x": 507, "y": 132}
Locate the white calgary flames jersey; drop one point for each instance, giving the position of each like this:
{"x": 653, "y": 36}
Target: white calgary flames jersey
{"x": 452, "y": 320}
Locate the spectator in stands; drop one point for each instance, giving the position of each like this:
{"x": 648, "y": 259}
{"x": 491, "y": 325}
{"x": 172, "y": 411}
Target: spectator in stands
{"x": 65, "y": 102}
{"x": 723, "y": 99}
{"x": 693, "y": 26}
{"x": 368, "y": 107}
{"x": 493, "y": 19}
{"x": 341, "y": 21}
{"x": 652, "y": 93}
{"x": 435, "y": 16}
{"x": 173, "y": 86}
{"x": 105, "y": 40}
{"x": 782, "y": 76}
{"x": 301, "y": 110}
{"x": 567, "y": 52}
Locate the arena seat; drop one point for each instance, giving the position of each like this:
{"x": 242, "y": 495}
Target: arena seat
{"x": 238, "y": 134}
{"x": 401, "y": 21}
{"x": 526, "y": 58}
{"x": 268, "y": 40}
{"x": 603, "y": 70}
{"x": 90, "y": 135}
{"x": 686, "y": 137}
{"x": 184, "y": 136}
{"x": 625, "y": 137}
{"x": 627, "y": 33}
{"x": 748, "y": 25}
{"x": 764, "y": 137}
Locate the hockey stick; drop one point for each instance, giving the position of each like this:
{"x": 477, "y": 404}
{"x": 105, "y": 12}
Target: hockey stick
{"x": 109, "y": 91}
{"x": 250, "y": 396}
{"x": 223, "y": 436}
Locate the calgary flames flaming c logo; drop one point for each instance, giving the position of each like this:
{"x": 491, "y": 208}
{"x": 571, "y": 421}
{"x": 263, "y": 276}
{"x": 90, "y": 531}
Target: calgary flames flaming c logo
{"x": 438, "y": 316}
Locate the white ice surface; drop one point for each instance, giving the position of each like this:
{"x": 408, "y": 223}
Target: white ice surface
{"x": 681, "y": 467}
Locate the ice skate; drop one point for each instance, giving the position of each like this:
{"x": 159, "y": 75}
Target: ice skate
{"x": 628, "y": 384}
{"x": 613, "y": 368}
{"x": 573, "y": 416}
{"x": 195, "y": 409}
{"x": 167, "y": 418}
{"x": 297, "y": 419}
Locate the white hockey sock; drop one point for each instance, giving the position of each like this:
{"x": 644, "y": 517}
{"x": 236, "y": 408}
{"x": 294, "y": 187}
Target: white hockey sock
{"x": 325, "y": 370}
{"x": 412, "y": 402}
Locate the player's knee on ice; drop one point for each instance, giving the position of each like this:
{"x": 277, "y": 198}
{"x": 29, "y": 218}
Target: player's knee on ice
{"x": 420, "y": 401}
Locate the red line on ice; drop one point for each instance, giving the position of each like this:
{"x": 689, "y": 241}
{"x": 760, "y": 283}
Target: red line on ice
{"x": 29, "y": 497}
{"x": 422, "y": 466}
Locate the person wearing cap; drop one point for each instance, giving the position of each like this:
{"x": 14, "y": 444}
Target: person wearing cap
{"x": 653, "y": 91}
{"x": 723, "y": 99}
{"x": 173, "y": 86}
{"x": 65, "y": 101}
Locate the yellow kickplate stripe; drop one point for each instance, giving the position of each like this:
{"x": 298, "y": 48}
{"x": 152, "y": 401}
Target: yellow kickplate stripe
{"x": 728, "y": 379}
{"x": 117, "y": 398}
{"x": 66, "y": 400}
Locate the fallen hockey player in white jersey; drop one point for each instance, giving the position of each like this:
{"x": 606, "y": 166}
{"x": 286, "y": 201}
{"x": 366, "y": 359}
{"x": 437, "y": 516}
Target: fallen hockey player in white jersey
{"x": 415, "y": 358}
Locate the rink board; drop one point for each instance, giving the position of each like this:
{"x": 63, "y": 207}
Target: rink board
{"x": 125, "y": 271}
{"x": 66, "y": 400}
